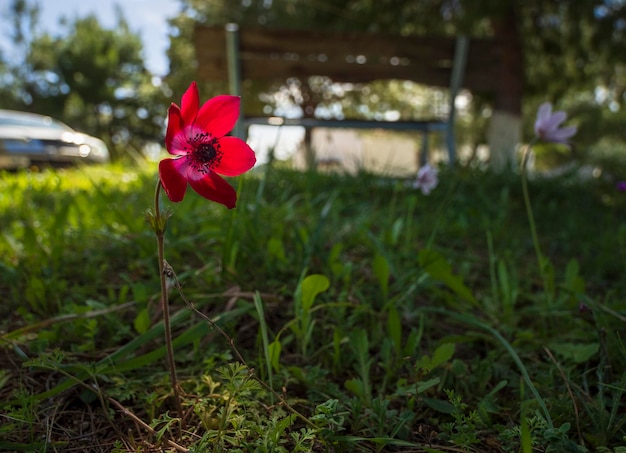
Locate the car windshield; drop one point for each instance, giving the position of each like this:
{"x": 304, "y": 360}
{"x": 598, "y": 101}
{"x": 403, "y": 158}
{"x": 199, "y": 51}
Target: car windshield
{"x": 31, "y": 121}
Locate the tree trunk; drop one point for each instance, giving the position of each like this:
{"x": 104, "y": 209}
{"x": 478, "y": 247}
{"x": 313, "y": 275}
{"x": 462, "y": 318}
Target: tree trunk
{"x": 504, "y": 134}
{"x": 308, "y": 109}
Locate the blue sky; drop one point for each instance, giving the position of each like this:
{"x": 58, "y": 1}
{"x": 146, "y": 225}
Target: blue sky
{"x": 146, "y": 17}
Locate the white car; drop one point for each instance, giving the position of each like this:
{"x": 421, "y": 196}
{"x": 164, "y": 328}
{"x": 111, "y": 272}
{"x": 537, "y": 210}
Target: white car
{"x": 29, "y": 139}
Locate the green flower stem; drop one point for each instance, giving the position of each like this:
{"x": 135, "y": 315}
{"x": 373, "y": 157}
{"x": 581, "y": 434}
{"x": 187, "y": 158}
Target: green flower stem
{"x": 529, "y": 209}
{"x": 159, "y": 230}
{"x": 529, "y": 214}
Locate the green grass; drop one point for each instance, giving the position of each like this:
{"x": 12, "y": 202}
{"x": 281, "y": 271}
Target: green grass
{"x": 382, "y": 319}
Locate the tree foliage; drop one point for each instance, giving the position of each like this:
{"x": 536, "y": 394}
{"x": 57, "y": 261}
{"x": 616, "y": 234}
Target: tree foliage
{"x": 91, "y": 77}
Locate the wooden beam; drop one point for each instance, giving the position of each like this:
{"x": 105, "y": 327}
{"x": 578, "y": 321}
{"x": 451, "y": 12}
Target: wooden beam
{"x": 268, "y": 54}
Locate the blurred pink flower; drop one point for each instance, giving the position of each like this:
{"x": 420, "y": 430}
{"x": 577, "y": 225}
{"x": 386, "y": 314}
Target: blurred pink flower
{"x": 547, "y": 125}
{"x": 426, "y": 179}
{"x": 621, "y": 186}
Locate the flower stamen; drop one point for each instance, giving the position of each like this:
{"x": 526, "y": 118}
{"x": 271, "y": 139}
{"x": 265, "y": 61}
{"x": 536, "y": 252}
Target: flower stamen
{"x": 205, "y": 155}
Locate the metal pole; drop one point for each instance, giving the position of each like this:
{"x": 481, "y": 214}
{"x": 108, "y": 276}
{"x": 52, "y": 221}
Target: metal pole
{"x": 458, "y": 70}
{"x": 234, "y": 73}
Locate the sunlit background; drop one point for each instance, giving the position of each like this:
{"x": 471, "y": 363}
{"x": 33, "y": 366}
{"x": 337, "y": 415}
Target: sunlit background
{"x": 110, "y": 69}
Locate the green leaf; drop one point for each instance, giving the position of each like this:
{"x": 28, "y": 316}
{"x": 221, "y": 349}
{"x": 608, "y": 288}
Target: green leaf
{"x": 278, "y": 430}
{"x": 394, "y": 328}
{"x": 396, "y": 229}
{"x": 337, "y": 338}
{"x": 578, "y": 353}
{"x": 438, "y": 268}
{"x": 258, "y": 304}
{"x": 36, "y": 294}
{"x": 334, "y": 260}
{"x": 439, "y": 405}
{"x": 573, "y": 281}
{"x": 360, "y": 344}
{"x": 275, "y": 348}
{"x": 423, "y": 386}
{"x": 442, "y": 354}
{"x": 548, "y": 273}
{"x": 356, "y": 386}
{"x": 508, "y": 298}
{"x": 312, "y": 285}
{"x": 276, "y": 250}
{"x": 414, "y": 337}
{"x": 88, "y": 396}
{"x": 381, "y": 271}
{"x": 142, "y": 321}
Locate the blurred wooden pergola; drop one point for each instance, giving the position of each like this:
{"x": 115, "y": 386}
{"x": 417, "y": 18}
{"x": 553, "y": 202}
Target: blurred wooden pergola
{"x": 234, "y": 54}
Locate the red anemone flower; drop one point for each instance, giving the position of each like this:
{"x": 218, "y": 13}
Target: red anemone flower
{"x": 197, "y": 137}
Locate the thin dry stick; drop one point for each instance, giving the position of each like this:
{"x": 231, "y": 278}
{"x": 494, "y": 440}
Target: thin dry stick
{"x": 144, "y": 425}
{"x": 64, "y": 318}
{"x": 96, "y": 388}
{"x": 569, "y": 391}
{"x": 93, "y": 388}
{"x": 231, "y": 342}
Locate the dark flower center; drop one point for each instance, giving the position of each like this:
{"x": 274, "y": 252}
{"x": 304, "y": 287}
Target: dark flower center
{"x": 205, "y": 152}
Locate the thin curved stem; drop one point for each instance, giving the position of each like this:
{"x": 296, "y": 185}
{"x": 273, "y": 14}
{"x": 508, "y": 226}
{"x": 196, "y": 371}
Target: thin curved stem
{"x": 238, "y": 354}
{"x": 529, "y": 209}
{"x": 159, "y": 224}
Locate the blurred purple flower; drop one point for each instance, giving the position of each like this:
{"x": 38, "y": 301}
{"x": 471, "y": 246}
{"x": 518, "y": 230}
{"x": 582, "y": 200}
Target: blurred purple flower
{"x": 547, "y": 125}
{"x": 621, "y": 186}
{"x": 426, "y": 179}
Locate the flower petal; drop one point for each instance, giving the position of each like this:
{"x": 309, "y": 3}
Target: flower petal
{"x": 211, "y": 186}
{"x": 174, "y": 126}
{"x": 554, "y": 121}
{"x": 426, "y": 179}
{"x": 561, "y": 135}
{"x": 544, "y": 112}
{"x": 189, "y": 104}
{"x": 173, "y": 174}
{"x": 237, "y": 157}
{"x": 218, "y": 115}
{"x": 180, "y": 143}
